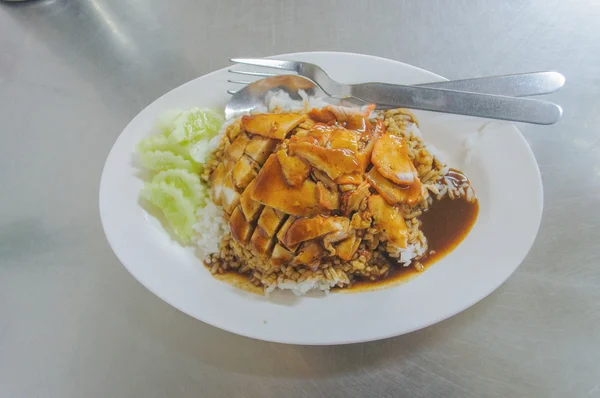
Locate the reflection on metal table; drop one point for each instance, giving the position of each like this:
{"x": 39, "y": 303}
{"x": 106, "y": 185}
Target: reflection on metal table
{"x": 74, "y": 323}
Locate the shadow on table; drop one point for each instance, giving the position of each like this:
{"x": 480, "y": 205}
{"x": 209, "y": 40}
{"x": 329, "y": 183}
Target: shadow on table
{"x": 25, "y": 237}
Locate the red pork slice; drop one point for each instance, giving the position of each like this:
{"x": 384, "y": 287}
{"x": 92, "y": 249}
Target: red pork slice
{"x": 281, "y": 255}
{"x": 304, "y": 229}
{"x": 283, "y": 230}
{"x": 390, "y": 219}
{"x": 250, "y": 207}
{"x": 295, "y": 170}
{"x": 270, "y": 188}
{"x": 318, "y": 175}
{"x": 261, "y": 243}
{"x": 342, "y": 138}
{"x": 259, "y": 148}
{"x": 390, "y": 157}
{"x": 334, "y": 162}
{"x": 375, "y": 135}
{"x": 241, "y": 230}
{"x": 346, "y": 248}
{"x": 272, "y": 125}
{"x": 328, "y": 198}
{"x": 351, "y": 200}
{"x": 217, "y": 181}
{"x": 310, "y": 254}
{"x": 244, "y": 171}
{"x": 393, "y": 193}
{"x": 229, "y": 195}
{"x": 270, "y": 220}
{"x": 363, "y": 156}
{"x": 322, "y": 115}
{"x": 334, "y": 237}
{"x": 351, "y": 118}
{"x": 234, "y": 152}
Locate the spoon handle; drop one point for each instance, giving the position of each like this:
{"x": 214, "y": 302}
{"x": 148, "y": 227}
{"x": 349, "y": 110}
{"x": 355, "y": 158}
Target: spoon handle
{"x": 459, "y": 102}
{"x": 517, "y": 85}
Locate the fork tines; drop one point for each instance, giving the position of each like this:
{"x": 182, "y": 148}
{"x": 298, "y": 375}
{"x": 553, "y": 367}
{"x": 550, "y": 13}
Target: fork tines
{"x": 245, "y": 72}
{"x": 267, "y": 63}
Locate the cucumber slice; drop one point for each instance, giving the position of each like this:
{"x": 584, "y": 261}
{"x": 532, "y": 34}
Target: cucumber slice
{"x": 187, "y": 182}
{"x": 163, "y": 160}
{"x": 196, "y": 124}
{"x": 177, "y": 154}
{"x": 179, "y": 211}
{"x": 160, "y": 142}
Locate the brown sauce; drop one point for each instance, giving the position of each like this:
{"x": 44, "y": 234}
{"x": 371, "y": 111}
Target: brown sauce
{"x": 239, "y": 281}
{"x": 445, "y": 224}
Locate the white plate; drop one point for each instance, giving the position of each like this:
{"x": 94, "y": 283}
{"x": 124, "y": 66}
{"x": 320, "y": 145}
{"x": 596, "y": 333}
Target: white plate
{"x": 501, "y": 167}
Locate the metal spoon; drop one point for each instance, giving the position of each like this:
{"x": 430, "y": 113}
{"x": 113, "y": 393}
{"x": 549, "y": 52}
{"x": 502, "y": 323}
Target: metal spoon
{"x": 252, "y": 97}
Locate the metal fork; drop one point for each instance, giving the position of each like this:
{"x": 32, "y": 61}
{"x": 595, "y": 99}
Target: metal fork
{"x": 436, "y": 96}
{"x": 513, "y": 85}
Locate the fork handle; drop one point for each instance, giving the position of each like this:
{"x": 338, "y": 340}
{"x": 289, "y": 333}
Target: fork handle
{"x": 459, "y": 102}
{"x": 516, "y": 85}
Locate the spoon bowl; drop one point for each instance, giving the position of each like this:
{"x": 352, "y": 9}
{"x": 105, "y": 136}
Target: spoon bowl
{"x": 253, "y": 97}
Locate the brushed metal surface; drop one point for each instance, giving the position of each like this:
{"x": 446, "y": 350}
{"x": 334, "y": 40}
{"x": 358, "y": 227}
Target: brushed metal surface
{"x": 74, "y": 323}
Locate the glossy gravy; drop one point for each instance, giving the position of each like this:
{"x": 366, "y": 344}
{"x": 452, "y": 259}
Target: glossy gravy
{"x": 445, "y": 224}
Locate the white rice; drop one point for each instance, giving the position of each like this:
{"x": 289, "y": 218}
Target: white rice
{"x": 407, "y": 254}
{"x": 301, "y": 288}
{"x": 414, "y": 130}
{"x": 280, "y": 101}
{"x": 211, "y": 228}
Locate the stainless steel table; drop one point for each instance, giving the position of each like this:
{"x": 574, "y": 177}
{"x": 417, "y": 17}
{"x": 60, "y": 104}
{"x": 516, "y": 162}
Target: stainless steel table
{"x": 74, "y": 323}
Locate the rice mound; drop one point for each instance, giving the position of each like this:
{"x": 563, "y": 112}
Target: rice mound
{"x": 224, "y": 254}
